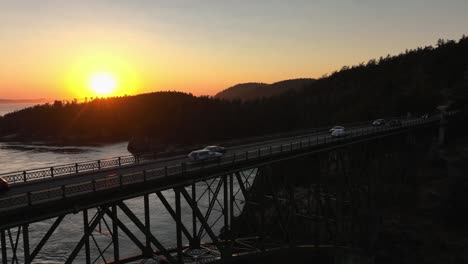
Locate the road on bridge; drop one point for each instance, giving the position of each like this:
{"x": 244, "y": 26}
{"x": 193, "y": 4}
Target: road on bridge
{"x": 49, "y": 183}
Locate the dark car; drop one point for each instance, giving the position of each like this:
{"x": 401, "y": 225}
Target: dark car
{"x": 394, "y": 123}
{"x": 4, "y": 186}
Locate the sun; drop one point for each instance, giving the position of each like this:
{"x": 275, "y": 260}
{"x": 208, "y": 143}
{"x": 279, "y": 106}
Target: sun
{"x": 103, "y": 83}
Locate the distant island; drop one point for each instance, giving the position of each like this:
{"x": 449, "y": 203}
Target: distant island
{"x": 21, "y": 101}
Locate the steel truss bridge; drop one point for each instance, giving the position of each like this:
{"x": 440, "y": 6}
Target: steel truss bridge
{"x": 315, "y": 192}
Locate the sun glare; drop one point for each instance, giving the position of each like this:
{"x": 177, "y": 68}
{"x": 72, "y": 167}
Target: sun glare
{"x": 103, "y": 84}
{"x": 102, "y": 74}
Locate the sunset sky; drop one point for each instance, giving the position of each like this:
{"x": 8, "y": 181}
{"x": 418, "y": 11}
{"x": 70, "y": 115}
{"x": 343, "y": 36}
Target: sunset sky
{"x": 62, "y": 49}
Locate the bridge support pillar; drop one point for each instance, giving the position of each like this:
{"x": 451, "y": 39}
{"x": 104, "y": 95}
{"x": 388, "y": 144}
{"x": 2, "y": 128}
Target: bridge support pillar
{"x": 442, "y": 129}
{"x": 178, "y": 226}
{"x": 226, "y": 253}
{"x": 4, "y": 248}
{"x": 115, "y": 235}
{"x": 195, "y": 242}
{"x": 86, "y": 230}
{"x": 27, "y": 256}
{"x": 148, "y": 250}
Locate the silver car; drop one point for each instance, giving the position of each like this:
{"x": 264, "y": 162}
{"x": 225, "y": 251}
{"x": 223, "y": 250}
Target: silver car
{"x": 339, "y": 133}
{"x": 216, "y": 149}
{"x": 335, "y": 128}
{"x": 378, "y": 122}
{"x": 204, "y": 154}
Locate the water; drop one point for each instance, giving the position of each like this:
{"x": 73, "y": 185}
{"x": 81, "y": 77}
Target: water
{"x": 14, "y": 157}
{"x": 6, "y": 108}
{"x": 17, "y": 157}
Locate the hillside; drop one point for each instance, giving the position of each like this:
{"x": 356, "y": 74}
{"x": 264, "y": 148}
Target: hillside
{"x": 241, "y": 91}
{"x": 251, "y": 91}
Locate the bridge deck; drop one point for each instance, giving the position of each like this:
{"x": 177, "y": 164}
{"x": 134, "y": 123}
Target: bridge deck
{"x": 28, "y": 201}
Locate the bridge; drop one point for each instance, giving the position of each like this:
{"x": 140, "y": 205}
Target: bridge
{"x": 308, "y": 191}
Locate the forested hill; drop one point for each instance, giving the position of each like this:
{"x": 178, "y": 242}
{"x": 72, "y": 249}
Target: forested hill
{"x": 252, "y": 91}
{"x": 415, "y": 81}
{"x": 241, "y": 91}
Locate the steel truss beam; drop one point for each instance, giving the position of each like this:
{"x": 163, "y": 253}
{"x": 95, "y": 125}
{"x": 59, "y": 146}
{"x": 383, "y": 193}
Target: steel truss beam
{"x": 200, "y": 216}
{"x": 335, "y": 195}
{"x": 174, "y": 215}
{"x": 86, "y": 235}
{"x": 46, "y": 237}
{"x": 147, "y": 233}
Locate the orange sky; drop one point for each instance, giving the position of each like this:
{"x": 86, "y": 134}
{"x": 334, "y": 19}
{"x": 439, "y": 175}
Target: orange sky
{"x": 50, "y": 49}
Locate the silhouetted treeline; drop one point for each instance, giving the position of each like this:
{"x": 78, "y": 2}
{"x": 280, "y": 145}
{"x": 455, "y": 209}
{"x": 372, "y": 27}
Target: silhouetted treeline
{"x": 415, "y": 81}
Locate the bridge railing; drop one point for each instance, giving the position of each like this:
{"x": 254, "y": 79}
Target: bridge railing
{"x": 73, "y": 168}
{"x": 118, "y": 162}
{"x": 255, "y": 139}
{"x": 116, "y": 181}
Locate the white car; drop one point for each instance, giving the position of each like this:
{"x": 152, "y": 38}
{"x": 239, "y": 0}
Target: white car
{"x": 378, "y": 122}
{"x": 204, "y": 154}
{"x": 335, "y": 127}
{"x": 339, "y": 133}
{"x": 216, "y": 149}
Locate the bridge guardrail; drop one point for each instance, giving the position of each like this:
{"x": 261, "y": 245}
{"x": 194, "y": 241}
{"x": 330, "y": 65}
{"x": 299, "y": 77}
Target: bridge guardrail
{"x": 228, "y": 143}
{"x": 117, "y": 162}
{"x": 121, "y": 180}
{"x": 72, "y": 168}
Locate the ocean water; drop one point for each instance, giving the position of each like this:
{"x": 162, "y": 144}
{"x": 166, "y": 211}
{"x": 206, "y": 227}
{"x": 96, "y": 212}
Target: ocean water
{"x": 11, "y": 107}
{"x": 18, "y": 157}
